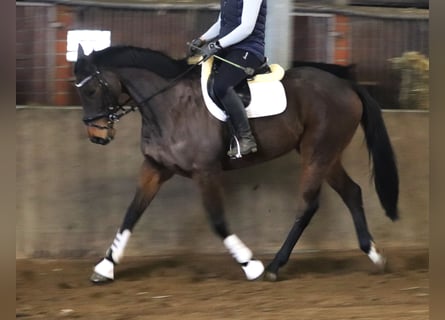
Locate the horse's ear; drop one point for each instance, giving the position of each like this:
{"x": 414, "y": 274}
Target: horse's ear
{"x": 80, "y": 52}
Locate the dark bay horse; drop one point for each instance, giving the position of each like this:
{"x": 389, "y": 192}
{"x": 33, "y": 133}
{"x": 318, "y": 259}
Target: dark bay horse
{"x": 179, "y": 136}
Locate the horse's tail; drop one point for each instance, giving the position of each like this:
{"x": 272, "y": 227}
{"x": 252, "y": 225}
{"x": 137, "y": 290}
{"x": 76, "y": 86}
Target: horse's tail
{"x": 386, "y": 178}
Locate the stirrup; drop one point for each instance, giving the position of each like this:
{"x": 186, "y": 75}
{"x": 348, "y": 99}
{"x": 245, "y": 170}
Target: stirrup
{"x": 234, "y": 144}
{"x": 235, "y": 151}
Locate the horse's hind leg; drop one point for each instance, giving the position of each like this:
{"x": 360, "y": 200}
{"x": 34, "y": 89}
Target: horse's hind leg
{"x": 150, "y": 180}
{"x": 351, "y": 194}
{"x": 211, "y": 192}
{"x": 308, "y": 200}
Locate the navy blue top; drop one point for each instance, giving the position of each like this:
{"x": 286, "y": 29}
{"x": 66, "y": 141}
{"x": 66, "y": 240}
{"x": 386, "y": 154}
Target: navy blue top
{"x": 240, "y": 25}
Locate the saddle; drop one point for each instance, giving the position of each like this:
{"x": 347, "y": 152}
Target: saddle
{"x": 262, "y": 94}
{"x": 241, "y": 89}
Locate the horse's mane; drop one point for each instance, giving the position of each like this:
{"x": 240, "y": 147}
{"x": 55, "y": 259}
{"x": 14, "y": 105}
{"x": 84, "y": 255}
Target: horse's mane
{"x": 144, "y": 58}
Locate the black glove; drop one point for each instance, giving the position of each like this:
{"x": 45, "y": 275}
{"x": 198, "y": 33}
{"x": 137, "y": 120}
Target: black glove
{"x": 195, "y": 47}
{"x": 210, "y": 49}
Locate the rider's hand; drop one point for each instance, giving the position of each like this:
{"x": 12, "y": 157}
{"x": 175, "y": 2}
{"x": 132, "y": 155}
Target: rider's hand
{"x": 211, "y": 49}
{"x": 195, "y": 46}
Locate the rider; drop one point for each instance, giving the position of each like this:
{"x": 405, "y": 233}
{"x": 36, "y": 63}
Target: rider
{"x": 237, "y": 36}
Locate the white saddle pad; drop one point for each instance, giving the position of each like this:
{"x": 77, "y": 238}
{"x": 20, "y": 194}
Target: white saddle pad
{"x": 267, "y": 96}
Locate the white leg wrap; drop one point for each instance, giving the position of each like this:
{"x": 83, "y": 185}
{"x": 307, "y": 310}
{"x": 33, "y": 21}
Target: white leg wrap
{"x": 376, "y": 257}
{"x": 238, "y": 249}
{"x": 105, "y": 268}
{"x": 119, "y": 244}
{"x": 252, "y": 268}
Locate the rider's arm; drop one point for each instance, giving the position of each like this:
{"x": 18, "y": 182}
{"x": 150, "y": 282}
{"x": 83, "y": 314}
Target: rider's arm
{"x": 251, "y": 8}
{"x": 213, "y": 31}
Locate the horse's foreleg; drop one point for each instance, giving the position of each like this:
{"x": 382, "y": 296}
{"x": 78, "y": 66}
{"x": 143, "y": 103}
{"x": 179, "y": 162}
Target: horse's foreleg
{"x": 309, "y": 190}
{"x": 351, "y": 194}
{"x": 150, "y": 181}
{"x": 211, "y": 192}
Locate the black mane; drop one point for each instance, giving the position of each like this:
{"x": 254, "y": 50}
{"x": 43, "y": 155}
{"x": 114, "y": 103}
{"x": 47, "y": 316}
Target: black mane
{"x": 144, "y": 58}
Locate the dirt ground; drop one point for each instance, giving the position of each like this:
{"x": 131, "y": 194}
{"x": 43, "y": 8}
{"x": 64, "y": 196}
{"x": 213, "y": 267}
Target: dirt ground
{"x": 315, "y": 286}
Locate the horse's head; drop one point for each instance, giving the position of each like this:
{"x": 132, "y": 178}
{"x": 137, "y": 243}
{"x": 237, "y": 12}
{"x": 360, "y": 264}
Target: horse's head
{"x": 99, "y": 92}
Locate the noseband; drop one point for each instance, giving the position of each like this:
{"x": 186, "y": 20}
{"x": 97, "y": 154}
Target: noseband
{"x": 116, "y": 111}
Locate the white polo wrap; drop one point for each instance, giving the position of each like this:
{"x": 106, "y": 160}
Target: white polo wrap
{"x": 237, "y": 249}
{"x": 119, "y": 244}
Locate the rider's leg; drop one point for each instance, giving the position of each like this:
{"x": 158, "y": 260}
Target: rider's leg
{"x": 226, "y": 78}
{"x": 238, "y": 118}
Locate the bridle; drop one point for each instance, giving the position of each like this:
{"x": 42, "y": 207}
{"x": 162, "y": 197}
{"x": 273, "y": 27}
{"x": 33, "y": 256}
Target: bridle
{"x": 116, "y": 110}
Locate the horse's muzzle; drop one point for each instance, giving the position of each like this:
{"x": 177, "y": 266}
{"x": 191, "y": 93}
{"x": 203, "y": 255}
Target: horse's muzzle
{"x": 100, "y": 131}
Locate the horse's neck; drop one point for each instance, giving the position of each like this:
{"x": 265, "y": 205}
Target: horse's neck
{"x": 158, "y": 99}
{"x": 141, "y": 84}
{"x": 179, "y": 104}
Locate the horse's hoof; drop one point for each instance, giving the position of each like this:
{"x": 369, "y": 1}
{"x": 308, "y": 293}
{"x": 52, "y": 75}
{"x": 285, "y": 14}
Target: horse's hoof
{"x": 99, "y": 279}
{"x": 253, "y": 270}
{"x": 377, "y": 258}
{"x": 270, "y": 276}
{"x": 103, "y": 272}
{"x": 381, "y": 266}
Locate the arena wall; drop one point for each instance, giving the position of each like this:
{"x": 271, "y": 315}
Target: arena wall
{"x": 72, "y": 194}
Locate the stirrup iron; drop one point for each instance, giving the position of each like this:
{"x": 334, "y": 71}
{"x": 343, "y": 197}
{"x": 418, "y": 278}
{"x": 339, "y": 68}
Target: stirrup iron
{"x": 234, "y": 144}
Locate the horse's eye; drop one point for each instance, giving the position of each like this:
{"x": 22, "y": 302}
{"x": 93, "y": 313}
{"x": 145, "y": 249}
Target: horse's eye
{"x": 90, "y": 92}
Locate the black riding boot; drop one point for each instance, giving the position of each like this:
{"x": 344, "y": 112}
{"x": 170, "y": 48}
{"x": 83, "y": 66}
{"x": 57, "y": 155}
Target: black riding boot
{"x": 238, "y": 118}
